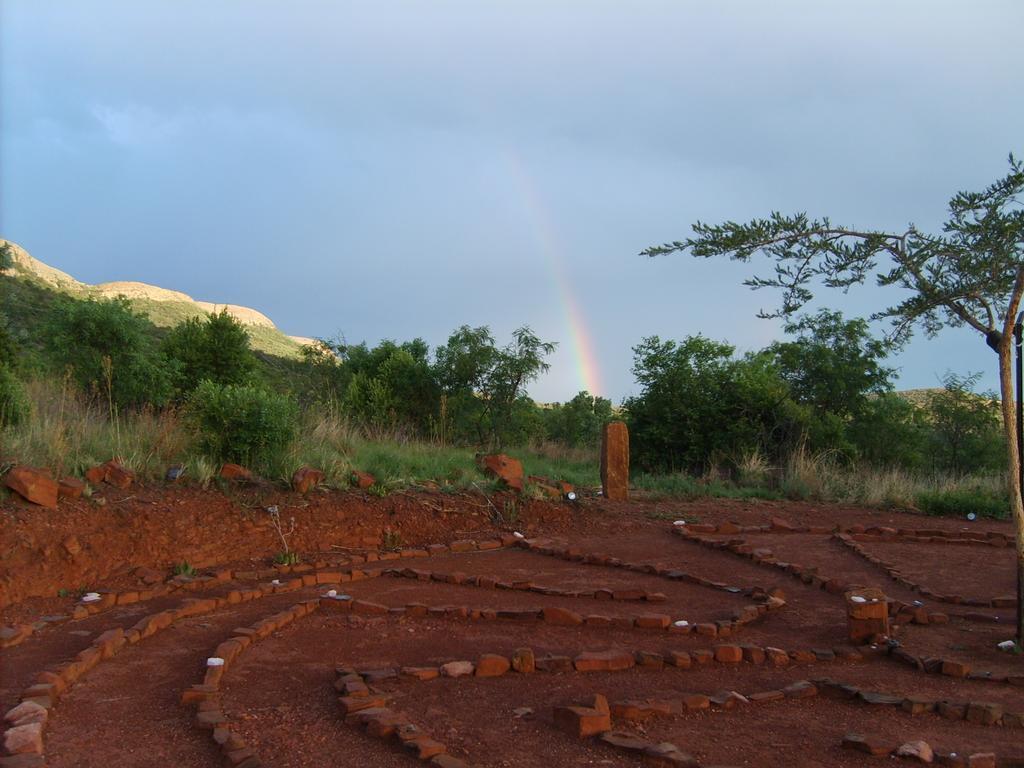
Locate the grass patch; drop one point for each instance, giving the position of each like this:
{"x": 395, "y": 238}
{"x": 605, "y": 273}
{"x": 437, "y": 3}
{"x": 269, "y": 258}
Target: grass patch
{"x": 964, "y": 501}
{"x": 683, "y": 486}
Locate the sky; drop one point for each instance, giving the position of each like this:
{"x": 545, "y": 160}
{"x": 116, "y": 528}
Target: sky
{"x": 398, "y": 169}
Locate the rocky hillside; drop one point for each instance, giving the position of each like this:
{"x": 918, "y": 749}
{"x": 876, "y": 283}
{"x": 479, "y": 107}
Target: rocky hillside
{"x": 164, "y": 307}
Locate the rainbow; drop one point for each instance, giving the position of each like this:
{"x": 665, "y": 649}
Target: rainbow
{"x": 580, "y": 339}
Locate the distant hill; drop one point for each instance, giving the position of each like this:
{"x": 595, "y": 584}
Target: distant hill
{"x": 164, "y": 307}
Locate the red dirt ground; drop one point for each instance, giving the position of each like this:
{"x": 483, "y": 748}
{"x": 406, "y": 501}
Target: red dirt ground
{"x": 278, "y": 696}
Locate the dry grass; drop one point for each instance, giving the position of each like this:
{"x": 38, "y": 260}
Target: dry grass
{"x": 69, "y": 434}
{"x": 821, "y": 476}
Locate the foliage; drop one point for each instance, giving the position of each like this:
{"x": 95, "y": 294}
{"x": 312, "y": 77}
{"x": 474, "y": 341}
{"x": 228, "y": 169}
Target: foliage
{"x": 214, "y": 348}
{"x": 9, "y": 348}
{"x": 286, "y": 558}
{"x": 833, "y": 365}
{"x": 14, "y": 405}
{"x": 471, "y": 392}
{"x": 185, "y": 568}
{"x": 890, "y": 431}
{"x": 699, "y": 404}
{"x": 243, "y": 423}
{"x": 579, "y": 421}
{"x": 514, "y": 366}
{"x": 109, "y": 351}
{"x": 320, "y": 383}
{"x": 965, "y": 427}
{"x": 461, "y": 366}
{"x": 391, "y": 385}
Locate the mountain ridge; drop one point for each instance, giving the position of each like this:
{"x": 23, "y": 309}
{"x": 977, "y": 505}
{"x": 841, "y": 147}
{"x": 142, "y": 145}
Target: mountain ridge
{"x": 165, "y": 307}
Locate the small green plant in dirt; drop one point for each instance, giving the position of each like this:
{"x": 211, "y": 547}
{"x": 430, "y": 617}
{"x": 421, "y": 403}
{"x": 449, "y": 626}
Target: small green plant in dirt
{"x": 65, "y": 592}
{"x": 510, "y": 511}
{"x": 391, "y": 541}
{"x": 185, "y": 568}
{"x": 282, "y": 534}
{"x": 380, "y": 490}
{"x": 286, "y": 558}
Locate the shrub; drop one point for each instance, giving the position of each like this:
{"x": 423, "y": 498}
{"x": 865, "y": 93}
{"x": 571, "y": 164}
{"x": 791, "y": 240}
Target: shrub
{"x": 9, "y": 348}
{"x": 243, "y": 423}
{"x": 700, "y": 403}
{"x": 109, "y": 350}
{"x": 966, "y": 427}
{"x": 963, "y": 501}
{"x": 14, "y": 407}
{"x": 214, "y": 348}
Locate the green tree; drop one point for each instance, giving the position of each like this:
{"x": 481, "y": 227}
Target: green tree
{"x": 513, "y": 367}
{"x": 391, "y": 385}
{"x": 888, "y": 430}
{"x": 579, "y": 421}
{"x": 965, "y": 427}
{"x": 214, "y": 348}
{"x": 461, "y": 367}
{"x": 833, "y": 365}
{"x": 317, "y": 377}
{"x": 971, "y": 274}
{"x": 110, "y": 351}
{"x": 699, "y": 404}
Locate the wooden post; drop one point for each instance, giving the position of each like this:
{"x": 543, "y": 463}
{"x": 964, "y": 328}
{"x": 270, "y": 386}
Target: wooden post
{"x": 615, "y": 461}
{"x": 867, "y": 615}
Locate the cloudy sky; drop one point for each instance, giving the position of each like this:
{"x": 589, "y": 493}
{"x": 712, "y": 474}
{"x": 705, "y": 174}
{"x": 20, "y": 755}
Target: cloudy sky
{"x": 396, "y": 169}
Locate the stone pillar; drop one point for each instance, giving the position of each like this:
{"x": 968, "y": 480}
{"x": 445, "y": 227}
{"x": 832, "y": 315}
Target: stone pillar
{"x": 867, "y": 614}
{"x": 615, "y": 461}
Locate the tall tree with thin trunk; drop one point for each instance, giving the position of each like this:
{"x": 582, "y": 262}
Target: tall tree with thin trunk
{"x": 972, "y": 274}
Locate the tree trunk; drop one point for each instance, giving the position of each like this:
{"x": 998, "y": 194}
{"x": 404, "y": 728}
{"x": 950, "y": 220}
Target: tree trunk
{"x": 1008, "y": 403}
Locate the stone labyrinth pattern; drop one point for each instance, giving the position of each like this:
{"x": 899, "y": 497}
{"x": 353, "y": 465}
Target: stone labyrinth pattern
{"x": 683, "y": 646}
